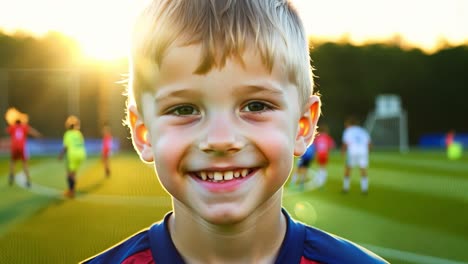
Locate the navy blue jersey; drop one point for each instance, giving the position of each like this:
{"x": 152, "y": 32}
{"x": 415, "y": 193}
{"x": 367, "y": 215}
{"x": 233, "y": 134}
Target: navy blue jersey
{"x": 302, "y": 245}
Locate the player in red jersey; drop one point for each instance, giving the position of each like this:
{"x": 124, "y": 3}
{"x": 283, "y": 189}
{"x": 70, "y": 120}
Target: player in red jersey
{"x": 323, "y": 144}
{"x": 19, "y": 131}
{"x": 106, "y": 148}
{"x": 449, "y": 138}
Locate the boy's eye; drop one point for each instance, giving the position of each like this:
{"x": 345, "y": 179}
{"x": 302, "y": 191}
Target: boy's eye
{"x": 184, "y": 110}
{"x": 255, "y": 107}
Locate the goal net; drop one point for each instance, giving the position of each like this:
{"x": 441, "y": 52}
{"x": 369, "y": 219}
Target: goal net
{"x": 387, "y": 124}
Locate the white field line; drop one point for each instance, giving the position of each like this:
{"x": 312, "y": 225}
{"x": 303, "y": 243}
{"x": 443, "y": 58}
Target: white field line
{"x": 166, "y": 201}
{"x": 434, "y": 185}
{"x": 409, "y": 256}
{"x": 443, "y": 164}
{"x": 161, "y": 201}
{"x": 388, "y": 252}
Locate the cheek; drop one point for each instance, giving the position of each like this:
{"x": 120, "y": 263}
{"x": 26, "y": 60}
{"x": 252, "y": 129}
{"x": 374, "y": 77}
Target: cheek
{"x": 169, "y": 147}
{"x": 277, "y": 145}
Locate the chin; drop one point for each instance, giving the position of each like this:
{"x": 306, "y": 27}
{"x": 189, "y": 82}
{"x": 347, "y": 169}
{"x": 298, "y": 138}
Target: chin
{"x": 225, "y": 216}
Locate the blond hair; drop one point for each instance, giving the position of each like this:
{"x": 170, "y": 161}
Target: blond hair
{"x": 72, "y": 122}
{"x": 225, "y": 29}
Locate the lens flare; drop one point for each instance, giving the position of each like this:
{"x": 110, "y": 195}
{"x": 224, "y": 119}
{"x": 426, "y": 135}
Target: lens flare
{"x": 305, "y": 212}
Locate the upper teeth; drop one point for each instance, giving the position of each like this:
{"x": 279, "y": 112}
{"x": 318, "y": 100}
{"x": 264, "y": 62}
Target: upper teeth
{"x": 222, "y": 175}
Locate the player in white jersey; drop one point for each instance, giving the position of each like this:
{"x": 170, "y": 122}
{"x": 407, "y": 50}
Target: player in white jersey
{"x": 356, "y": 145}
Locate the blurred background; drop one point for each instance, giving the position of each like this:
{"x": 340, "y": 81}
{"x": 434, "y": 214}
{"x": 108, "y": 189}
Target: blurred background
{"x": 67, "y": 57}
{"x": 400, "y": 66}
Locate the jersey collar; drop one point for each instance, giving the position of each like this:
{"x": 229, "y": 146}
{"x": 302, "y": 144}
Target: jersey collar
{"x": 164, "y": 250}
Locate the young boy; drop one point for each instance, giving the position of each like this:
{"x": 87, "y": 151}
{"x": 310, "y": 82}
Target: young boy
{"x": 323, "y": 144}
{"x": 74, "y": 147}
{"x": 19, "y": 129}
{"x": 356, "y": 145}
{"x": 220, "y": 102}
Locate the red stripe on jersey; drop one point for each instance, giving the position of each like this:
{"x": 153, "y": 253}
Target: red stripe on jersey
{"x": 18, "y": 134}
{"x": 142, "y": 257}
{"x": 323, "y": 143}
{"x": 307, "y": 261}
{"x": 106, "y": 143}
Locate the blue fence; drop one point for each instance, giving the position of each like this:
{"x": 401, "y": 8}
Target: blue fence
{"x": 437, "y": 140}
{"x": 37, "y": 147}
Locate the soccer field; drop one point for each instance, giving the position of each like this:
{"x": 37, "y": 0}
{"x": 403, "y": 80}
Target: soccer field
{"x": 416, "y": 210}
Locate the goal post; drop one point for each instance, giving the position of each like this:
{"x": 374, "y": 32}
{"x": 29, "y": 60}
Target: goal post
{"x": 387, "y": 124}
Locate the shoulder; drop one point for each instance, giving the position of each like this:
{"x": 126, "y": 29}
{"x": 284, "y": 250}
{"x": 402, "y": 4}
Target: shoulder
{"x": 134, "y": 248}
{"x": 327, "y": 248}
{"x": 348, "y": 130}
{"x": 75, "y": 132}
{"x": 327, "y": 137}
{"x": 67, "y": 135}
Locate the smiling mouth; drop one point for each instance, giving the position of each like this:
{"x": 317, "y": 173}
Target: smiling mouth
{"x": 222, "y": 176}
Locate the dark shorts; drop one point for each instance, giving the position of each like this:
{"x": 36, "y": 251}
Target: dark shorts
{"x": 304, "y": 162}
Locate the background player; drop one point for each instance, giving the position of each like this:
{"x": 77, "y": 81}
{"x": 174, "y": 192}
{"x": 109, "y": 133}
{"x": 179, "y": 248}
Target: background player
{"x": 356, "y": 145}
{"x": 300, "y": 175}
{"x": 106, "y": 149}
{"x": 74, "y": 148}
{"x": 323, "y": 143}
{"x": 19, "y": 129}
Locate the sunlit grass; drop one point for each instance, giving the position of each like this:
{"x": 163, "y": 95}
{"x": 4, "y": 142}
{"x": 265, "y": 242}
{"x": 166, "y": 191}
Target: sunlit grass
{"x": 415, "y": 204}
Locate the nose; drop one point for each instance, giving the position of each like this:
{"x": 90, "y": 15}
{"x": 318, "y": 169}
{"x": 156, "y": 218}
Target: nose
{"x": 221, "y": 136}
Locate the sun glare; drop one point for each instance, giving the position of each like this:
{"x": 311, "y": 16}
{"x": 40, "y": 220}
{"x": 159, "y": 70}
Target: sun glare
{"x": 102, "y": 27}
{"x": 104, "y": 46}
{"x": 418, "y": 23}
{"x": 104, "y": 34}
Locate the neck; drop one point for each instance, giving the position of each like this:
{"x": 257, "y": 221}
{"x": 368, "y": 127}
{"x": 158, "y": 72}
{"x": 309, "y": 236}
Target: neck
{"x": 250, "y": 240}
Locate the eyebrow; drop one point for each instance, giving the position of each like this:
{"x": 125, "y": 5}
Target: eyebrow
{"x": 259, "y": 88}
{"x": 184, "y": 92}
{"x": 178, "y": 92}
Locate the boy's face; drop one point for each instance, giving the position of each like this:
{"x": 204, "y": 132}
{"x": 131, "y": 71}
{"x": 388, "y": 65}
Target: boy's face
{"x": 222, "y": 142}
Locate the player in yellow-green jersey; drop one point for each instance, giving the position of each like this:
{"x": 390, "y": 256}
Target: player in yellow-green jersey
{"x": 74, "y": 148}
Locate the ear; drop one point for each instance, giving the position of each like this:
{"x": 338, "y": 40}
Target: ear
{"x": 140, "y": 137}
{"x": 307, "y": 125}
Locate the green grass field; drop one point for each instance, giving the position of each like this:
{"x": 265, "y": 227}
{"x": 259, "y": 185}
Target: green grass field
{"x": 416, "y": 210}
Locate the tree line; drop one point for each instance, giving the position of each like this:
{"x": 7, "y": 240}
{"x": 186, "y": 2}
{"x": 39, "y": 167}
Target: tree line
{"x": 433, "y": 87}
